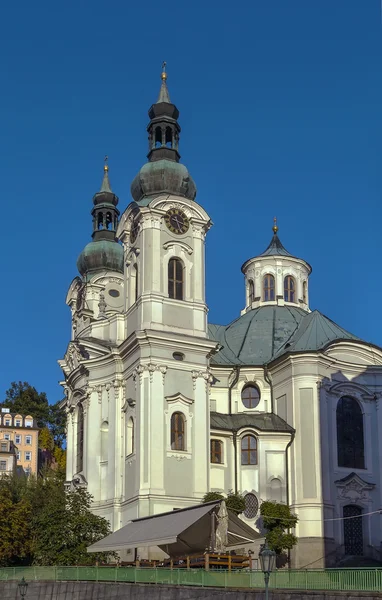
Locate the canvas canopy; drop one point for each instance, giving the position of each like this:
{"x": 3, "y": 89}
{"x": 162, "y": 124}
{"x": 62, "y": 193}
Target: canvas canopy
{"x": 179, "y": 532}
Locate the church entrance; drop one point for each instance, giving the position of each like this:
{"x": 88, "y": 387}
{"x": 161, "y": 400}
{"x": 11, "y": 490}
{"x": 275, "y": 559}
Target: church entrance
{"x": 353, "y": 533}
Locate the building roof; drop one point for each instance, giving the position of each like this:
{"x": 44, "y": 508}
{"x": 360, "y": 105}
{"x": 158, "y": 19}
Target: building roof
{"x": 275, "y": 247}
{"x": 261, "y": 421}
{"x": 13, "y": 415}
{"x": 265, "y": 333}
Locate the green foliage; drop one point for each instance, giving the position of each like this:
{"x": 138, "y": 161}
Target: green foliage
{"x": 211, "y": 496}
{"x": 45, "y": 439}
{"x": 277, "y": 518}
{"x": 41, "y": 523}
{"x": 24, "y": 399}
{"x": 234, "y": 501}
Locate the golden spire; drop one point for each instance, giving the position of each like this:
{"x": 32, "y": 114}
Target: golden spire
{"x": 106, "y": 166}
{"x": 164, "y": 74}
{"x": 275, "y": 228}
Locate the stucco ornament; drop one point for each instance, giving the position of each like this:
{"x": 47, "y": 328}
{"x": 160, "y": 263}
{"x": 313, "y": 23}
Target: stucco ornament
{"x": 73, "y": 356}
{"x": 222, "y": 528}
{"x": 354, "y": 489}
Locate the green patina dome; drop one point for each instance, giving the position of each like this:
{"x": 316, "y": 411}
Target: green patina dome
{"x": 100, "y": 255}
{"x": 163, "y": 176}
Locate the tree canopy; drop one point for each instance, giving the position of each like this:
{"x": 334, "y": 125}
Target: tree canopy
{"x": 23, "y": 398}
{"x": 277, "y": 519}
{"x": 234, "y": 500}
{"x": 41, "y": 523}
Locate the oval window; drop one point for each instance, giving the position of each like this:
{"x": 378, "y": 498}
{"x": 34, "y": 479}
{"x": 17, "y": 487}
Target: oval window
{"x": 178, "y": 356}
{"x": 251, "y": 506}
{"x": 250, "y": 396}
{"x": 114, "y": 293}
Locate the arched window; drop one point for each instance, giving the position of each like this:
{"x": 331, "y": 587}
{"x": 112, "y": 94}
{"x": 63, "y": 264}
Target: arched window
{"x": 178, "y": 441}
{"x": 104, "y": 441}
{"x": 109, "y": 220}
{"x": 158, "y": 137}
{"x": 130, "y": 437}
{"x": 269, "y": 287}
{"x": 350, "y": 442}
{"x": 249, "y": 450}
{"x": 289, "y": 289}
{"x": 304, "y": 292}
{"x": 251, "y": 291}
{"x": 80, "y": 438}
{"x": 251, "y": 506}
{"x": 250, "y": 396}
{"x": 216, "y": 452}
{"x": 168, "y": 137}
{"x": 175, "y": 279}
{"x": 100, "y": 221}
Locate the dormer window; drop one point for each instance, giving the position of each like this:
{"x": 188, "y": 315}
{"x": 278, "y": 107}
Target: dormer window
{"x": 269, "y": 288}
{"x": 289, "y": 289}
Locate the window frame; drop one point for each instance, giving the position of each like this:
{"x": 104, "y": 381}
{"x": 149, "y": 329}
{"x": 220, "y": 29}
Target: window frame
{"x": 251, "y": 291}
{"x": 249, "y": 386}
{"x": 80, "y": 439}
{"x": 269, "y": 287}
{"x": 178, "y": 433}
{"x": 28, "y": 437}
{"x": 289, "y": 289}
{"x": 18, "y": 435}
{"x": 350, "y": 450}
{"x": 30, "y": 455}
{"x": 130, "y": 430}
{"x": 173, "y": 280}
{"x": 214, "y": 453}
{"x": 3, "y": 463}
{"x": 248, "y": 450}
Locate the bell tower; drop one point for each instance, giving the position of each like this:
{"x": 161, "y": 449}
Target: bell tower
{"x": 166, "y": 350}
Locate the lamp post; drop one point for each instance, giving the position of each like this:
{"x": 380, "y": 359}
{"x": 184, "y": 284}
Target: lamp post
{"x": 23, "y": 586}
{"x": 267, "y": 561}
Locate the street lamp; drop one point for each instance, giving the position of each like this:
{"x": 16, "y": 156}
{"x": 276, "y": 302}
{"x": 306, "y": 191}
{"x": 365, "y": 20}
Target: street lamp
{"x": 267, "y": 561}
{"x": 23, "y": 586}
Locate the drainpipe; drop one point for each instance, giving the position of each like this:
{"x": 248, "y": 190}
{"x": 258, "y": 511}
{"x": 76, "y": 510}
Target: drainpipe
{"x": 269, "y": 382}
{"x": 287, "y": 480}
{"x": 234, "y": 439}
{"x": 236, "y": 370}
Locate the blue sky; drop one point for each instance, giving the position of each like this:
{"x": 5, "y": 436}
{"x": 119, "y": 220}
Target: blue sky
{"x": 280, "y": 108}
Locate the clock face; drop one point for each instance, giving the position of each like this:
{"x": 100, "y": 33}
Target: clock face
{"x": 176, "y": 221}
{"x": 134, "y": 232}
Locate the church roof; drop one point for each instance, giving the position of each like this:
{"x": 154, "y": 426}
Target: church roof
{"x": 260, "y": 421}
{"x": 265, "y": 333}
{"x": 276, "y": 248}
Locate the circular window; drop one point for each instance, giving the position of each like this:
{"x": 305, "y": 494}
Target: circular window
{"x": 114, "y": 293}
{"x": 250, "y": 396}
{"x": 251, "y": 506}
{"x": 178, "y": 356}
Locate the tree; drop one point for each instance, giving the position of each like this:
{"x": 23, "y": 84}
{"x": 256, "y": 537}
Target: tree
{"x": 234, "y": 500}
{"x": 57, "y": 423}
{"x": 45, "y": 439}
{"x": 25, "y": 399}
{"x": 277, "y": 519}
{"x": 15, "y": 525}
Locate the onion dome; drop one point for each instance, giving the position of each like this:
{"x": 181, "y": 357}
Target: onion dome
{"x": 163, "y": 173}
{"x": 104, "y": 252}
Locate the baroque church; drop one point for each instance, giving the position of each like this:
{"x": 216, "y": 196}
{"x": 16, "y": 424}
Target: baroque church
{"x": 162, "y": 406}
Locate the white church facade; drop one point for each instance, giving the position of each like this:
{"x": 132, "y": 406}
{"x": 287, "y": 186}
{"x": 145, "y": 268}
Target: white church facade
{"x": 163, "y": 406}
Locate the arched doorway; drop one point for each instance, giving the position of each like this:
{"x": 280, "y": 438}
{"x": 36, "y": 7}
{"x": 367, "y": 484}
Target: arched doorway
{"x": 353, "y": 532}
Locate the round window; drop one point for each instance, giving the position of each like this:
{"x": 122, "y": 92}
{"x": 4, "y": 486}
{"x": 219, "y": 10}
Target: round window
{"x": 251, "y": 506}
{"x": 178, "y": 356}
{"x": 114, "y": 293}
{"x": 250, "y": 396}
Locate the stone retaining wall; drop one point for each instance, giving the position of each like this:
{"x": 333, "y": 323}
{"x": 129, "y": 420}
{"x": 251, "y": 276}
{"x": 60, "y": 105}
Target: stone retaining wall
{"x": 83, "y": 590}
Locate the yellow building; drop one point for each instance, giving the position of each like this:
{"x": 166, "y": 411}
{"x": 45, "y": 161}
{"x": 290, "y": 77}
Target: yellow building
{"x": 22, "y": 431}
{"x": 8, "y": 458}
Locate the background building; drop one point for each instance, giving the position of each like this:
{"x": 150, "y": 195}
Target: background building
{"x": 22, "y": 431}
{"x": 163, "y": 406}
{"x": 8, "y": 457}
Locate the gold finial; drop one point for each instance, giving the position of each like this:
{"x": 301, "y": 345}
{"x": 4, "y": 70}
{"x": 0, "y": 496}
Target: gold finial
{"x": 164, "y": 74}
{"x": 106, "y": 166}
{"x": 275, "y": 228}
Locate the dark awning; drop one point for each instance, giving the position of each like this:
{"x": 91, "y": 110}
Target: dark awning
{"x": 177, "y": 532}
